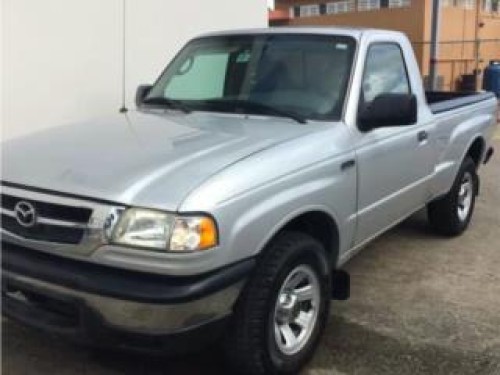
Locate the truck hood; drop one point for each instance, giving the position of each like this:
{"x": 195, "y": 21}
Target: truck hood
{"x": 149, "y": 159}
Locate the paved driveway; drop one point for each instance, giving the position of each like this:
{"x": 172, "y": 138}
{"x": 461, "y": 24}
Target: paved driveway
{"x": 420, "y": 305}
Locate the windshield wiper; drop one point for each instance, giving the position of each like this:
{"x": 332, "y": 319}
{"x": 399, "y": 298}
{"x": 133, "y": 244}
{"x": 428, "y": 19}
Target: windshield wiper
{"x": 257, "y": 108}
{"x": 171, "y": 103}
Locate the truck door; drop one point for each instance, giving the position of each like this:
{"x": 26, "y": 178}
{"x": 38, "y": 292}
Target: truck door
{"x": 394, "y": 163}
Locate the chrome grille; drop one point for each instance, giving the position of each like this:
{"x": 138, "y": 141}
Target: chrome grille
{"x": 54, "y": 222}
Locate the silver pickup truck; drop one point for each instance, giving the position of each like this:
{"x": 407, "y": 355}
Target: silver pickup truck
{"x": 224, "y": 208}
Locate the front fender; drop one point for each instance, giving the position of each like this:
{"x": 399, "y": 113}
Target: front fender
{"x": 258, "y": 196}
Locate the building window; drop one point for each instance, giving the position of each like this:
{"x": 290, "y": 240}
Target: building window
{"x": 309, "y": 10}
{"x": 464, "y": 4}
{"x": 346, "y": 6}
{"x": 467, "y": 4}
{"x": 340, "y": 7}
{"x": 491, "y": 5}
{"x": 368, "y": 5}
{"x": 399, "y": 3}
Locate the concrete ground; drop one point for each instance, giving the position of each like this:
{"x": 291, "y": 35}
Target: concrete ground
{"x": 420, "y": 305}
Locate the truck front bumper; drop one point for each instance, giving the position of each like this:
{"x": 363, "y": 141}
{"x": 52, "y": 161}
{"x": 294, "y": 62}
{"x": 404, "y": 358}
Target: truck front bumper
{"x": 110, "y": 307}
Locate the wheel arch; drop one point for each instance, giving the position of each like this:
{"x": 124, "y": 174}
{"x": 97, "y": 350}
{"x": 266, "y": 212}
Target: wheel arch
{"x": 317, "y": 223}
{"x": 476, "y": 150}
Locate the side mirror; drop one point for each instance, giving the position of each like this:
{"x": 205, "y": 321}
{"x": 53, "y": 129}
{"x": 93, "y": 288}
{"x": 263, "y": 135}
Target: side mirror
{"x": 389, "y": 110}
{"x": 141, "y": 93}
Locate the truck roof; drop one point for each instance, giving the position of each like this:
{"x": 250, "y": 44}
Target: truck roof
{"x": 355, "y": 32}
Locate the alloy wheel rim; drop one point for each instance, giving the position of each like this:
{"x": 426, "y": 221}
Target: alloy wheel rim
{"x": 465, "y": 196}
{"x": 296, "y": 310}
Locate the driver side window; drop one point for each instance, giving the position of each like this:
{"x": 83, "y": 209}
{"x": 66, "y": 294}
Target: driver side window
{"x": 385, "y": 72}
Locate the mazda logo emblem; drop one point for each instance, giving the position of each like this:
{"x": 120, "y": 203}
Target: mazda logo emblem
{"x": 25, "y": 214}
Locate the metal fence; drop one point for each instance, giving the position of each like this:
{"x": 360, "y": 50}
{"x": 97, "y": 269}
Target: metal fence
{"x": 460, "y": 64}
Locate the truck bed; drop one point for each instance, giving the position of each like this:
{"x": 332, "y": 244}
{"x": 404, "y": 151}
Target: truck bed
{"x": 441, "y": 101}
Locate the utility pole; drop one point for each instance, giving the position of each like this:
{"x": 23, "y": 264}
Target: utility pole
{"x": 477, "y": 43}
{"x": 435, "y": 28}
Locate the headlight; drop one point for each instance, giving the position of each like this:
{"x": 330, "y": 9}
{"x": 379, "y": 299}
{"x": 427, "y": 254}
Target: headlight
{"x": 162, "y": 231}
{"x": 193, "y": 233}
{"x": 143, "y": 228}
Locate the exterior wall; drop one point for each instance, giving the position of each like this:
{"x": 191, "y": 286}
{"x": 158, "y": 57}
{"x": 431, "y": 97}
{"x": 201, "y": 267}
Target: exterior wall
{"x": 456, "y": 57}
{"x": 409, "y": 20}
{"x": 458, "y": 49}
{"x": 402, "y": 19}
{"x": 62, "y": 59}
{"x": 457, "y": 34}
{"x": 489, "y": 48}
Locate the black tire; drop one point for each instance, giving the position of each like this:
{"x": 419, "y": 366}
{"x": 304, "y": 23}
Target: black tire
{"x": 251, "y": 346}
{"x": 443, "y": 213}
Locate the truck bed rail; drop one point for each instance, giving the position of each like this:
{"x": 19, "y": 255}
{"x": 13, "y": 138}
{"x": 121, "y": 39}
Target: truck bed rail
{"x": 440, "y": 101}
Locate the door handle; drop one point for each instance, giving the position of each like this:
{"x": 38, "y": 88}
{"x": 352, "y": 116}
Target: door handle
{"x": 422, "y": 136}
{"x": 347, "y": 164}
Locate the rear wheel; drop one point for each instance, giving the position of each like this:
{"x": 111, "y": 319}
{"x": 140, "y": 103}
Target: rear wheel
{"x": 451, "y": 214}
{"x": 282, "y": 312}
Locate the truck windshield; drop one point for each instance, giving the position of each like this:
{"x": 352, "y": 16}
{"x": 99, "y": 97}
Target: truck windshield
{"x": 296, "y": 76}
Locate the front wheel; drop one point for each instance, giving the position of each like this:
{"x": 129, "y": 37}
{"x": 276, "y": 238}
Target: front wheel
{"x": 451, "y": 214}
{"x": 282, "y": 312}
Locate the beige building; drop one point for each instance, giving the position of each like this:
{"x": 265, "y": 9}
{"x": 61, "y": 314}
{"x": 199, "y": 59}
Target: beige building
{"x": 469, "y": 32}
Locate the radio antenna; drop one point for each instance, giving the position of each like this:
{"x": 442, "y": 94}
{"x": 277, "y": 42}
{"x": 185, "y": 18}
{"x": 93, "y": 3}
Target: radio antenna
{"x": 124, "y": 108}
